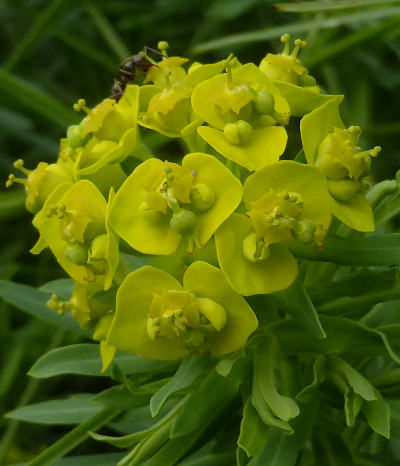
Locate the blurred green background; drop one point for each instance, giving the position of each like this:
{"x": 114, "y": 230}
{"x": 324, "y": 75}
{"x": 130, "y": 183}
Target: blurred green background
{"x": 54, "y": 52}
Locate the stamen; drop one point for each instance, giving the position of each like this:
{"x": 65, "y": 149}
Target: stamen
{"x": 375, "y": 151}
{"x": 163, "y": 47}
{"x": 81, "y": 105}
{"x": 228, "y": 69}
{"x": 12, "y": 179}
{"x": 19, "y": 165}
{"x": 299, "y": 44}
{"x": 285, "y": 39}
{"x": 356, "y": 130}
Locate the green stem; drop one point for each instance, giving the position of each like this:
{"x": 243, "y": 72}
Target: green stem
{"x": 73, "y": 438}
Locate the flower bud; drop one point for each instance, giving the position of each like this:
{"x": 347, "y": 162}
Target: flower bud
{"x": 344, "y": 190}
{"x": 255, "y": 249}
{"x": 183, "y": 221}
{"x": 304, "y": 231}
{"x": 237, "y": 133}
{"x": 264, "y": 103}
{"x": 214, "y": 312}
{"x": 76, "y": 253}
{"x": 202, "y": 197}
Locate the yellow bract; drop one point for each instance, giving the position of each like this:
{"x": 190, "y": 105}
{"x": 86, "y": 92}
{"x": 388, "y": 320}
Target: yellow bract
{"x": 158, "y": 318}
{"x": 333, "y": 149}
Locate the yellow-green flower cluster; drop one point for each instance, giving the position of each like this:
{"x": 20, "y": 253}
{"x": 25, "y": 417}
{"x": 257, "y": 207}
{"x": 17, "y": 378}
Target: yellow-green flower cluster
{"x": 233, "y": 191}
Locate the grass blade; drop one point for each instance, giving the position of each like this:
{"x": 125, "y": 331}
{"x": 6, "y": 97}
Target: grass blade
{"x": 35, "y": 99}
{"x": 296, "y": 28}
{"x": 353, "y": 40}
{"x": 107, "y": 31}
{"x": 73, "y": 438}
{"x": 79, "y": 45}
{"x": 35, "y": 33}
{"x": 316, "y": 7}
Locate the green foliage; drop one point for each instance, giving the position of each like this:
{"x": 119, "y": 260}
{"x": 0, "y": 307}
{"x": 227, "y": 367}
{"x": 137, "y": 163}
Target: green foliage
{"x": 318, "y": 382}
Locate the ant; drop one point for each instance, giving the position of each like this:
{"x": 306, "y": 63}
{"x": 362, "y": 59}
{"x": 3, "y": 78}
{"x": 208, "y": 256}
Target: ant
{"x": 128, "y": 69}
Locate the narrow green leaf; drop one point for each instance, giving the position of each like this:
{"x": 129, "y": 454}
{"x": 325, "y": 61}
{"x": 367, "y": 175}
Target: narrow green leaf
{"x": 134, "y": 420}
{"x": 295, "y": 28}
{"x": 121, "y": 398}
{"x": 365, "y": 250}
{"x": 352, "y": 406}
{"x": 356, "y": 39}
{"x": 187, "y": 372}
{"x": 253, "y": 431}
{"x": 298, "y": 304}
{"x": 349, "y": 305}
{"x": 34, "y": 99}
{"x": 282, "y": 449}
{"x": 266, "y": 361}
{"x": 344, "y": 336}
{"x": 210, "y": 459}
{"x": 277, "y": 451}
{"x": 75, "y": 437}
{"x": 70, "y": 411}
{"x": 33, "y": 301}
{"x": 318, "y": 376}
{"x": 206, "y": 401}
{"x": 377, "y": 413}
{"x": 357, "y": 284}
{"x": 388, "y": 208}
{"x": 105, "y": 459}
{"x": 40, "y": 26}
{"x": 316, "y": 7}
{"x": 85, "y": 359}
{"x": 62, "y": 287}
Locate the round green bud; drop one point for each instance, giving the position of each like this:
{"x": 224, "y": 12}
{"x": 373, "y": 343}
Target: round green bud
{"x": 74, "y": 136}
{"x": 264, "y": 103}
{"x": 344, "y": 190}
{"x": 237, "y": 133}
{"x": 304, "y": 231}
{"x": 99, "y": 247}
{"x": 150, "y": 215}
{"x": 255, "y": 249}
{"x": 202, "y": 197}
{"x": 306, "y": 80}
{"x": 183, "y": 221}
{"x": 76, "y": 253}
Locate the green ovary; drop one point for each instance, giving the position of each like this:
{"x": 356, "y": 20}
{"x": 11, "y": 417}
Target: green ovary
{"x": 178, "y": 199}
{"x": 278, "y": 217}
{"x": 344, "y": 163}
{"x": 179, "y": 315}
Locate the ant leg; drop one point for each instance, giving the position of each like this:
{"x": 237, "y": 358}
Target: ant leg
{"x": 129, "y": 74}
{"x": 157, "y": 52}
